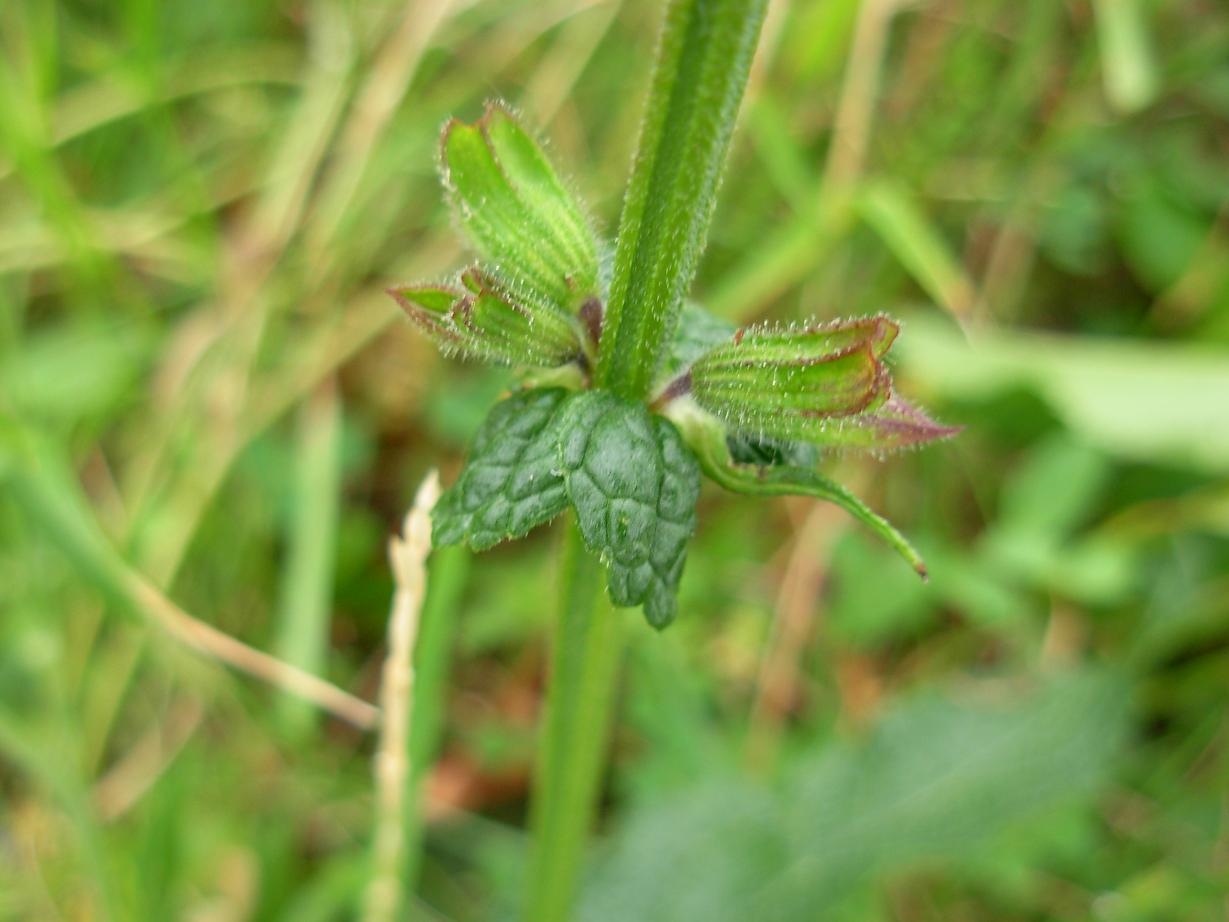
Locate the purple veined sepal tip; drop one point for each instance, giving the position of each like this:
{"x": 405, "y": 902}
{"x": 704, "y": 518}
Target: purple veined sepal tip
{"x": 480, "y": 318}
{"x": 823, "y": 383}
{"x": 895, "y": 425}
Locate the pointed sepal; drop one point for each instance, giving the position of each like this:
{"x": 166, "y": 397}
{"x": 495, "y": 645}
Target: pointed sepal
{"x": 480, "y": 319}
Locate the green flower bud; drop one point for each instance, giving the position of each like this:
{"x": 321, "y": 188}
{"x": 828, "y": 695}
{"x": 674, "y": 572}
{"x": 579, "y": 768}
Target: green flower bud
{"x": 792, "y": 383}
{"x": 517, "y": 213}
{"x": 480, "y": 320}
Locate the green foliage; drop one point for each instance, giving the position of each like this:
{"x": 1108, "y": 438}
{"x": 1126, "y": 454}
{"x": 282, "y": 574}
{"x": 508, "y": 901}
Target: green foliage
{"x": 634, "y": 485}
{"x": 515, "y": 210}
{"x": 632, "y": 482}
{"x": 199, "y": 205}
{"x": 511, "y": 482}
{"x": 935, "y": 778}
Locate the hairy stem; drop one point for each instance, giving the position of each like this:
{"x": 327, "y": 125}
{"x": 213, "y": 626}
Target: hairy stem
{"x": 702, "y": 64}
{"x": 575, "y": 727}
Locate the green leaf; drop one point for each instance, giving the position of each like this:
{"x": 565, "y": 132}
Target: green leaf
{"x": 701, "y": 70}
{"x": 517, "y": 213}
{"x": 707, "y": 438}
{"x": 510, "y": 483}
{"x": 698, "y": 332}
{"x": 1159, "y": 402}
{"x": 936, "y": 780}
{"x": 634, "y": 484}
{"x": 480, "y": 319}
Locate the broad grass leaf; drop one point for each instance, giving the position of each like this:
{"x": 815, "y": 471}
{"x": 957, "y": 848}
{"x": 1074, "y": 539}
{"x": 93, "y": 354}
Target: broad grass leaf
{"x": 1150, "y": 401}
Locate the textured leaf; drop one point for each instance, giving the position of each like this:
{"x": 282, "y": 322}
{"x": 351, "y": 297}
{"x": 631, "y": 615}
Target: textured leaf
{"x": 937, "y": 779}
{"x": 481, "y": 319}
{"x": 510, "y": 483}
{"x": 703, "y": 60}
{"x": 516, "y": 211}
{"x": 634, "y": 485}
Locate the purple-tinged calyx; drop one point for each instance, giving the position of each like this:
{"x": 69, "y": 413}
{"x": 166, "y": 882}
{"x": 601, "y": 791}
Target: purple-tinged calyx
{"x": 480, "y": 319}
{"x": 826, "y": 384}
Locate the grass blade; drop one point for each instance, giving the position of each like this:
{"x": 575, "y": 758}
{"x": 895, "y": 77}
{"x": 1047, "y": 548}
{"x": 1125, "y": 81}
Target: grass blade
{"x": 307, "y": 588}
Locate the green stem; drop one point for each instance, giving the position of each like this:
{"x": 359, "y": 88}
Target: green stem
{"x": 702, "y": 64}
{"x": 576, "y": 725}
{"x": 437, "y": 632}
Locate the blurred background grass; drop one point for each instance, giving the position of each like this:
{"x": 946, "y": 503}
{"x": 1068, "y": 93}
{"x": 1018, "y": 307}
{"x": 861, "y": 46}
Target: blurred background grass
{"x": 206, "y": 398}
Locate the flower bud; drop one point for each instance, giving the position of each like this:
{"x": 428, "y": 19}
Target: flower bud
{"x": 527, "y": 226}
{"x": 825, "y": 384}
{"x": 481, "y": 320}
{"x": 791, "y": 384}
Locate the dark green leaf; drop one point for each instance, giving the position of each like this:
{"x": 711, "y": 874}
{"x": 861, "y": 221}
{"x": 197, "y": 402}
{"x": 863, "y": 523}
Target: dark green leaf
{"x": 634, "y": 485}
{"x": 510, "y": 483}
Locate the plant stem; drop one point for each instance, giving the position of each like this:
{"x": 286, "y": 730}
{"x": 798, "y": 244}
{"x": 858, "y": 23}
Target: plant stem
{"x": 702, "y": 64}
{"x": 576, "y": 724}
{"x": 408, "y": 555}
{"x": 447, "y": 572}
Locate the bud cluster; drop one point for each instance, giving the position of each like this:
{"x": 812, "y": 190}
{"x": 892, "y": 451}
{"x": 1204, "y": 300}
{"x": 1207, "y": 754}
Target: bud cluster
{"x": 535, "y": 298}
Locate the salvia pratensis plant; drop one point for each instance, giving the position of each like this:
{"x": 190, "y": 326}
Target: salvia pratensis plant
{"x": 751, "y": 407}
{"x": 646, "y": 390}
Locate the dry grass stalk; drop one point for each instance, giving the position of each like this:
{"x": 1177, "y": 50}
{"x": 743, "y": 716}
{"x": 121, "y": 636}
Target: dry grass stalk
{"x": 408, "y": 556}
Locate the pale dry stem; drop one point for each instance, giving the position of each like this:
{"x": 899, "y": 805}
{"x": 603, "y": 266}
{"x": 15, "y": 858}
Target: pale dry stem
{"x": 212, "y": 642}
{"x": 408, "y": 556}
